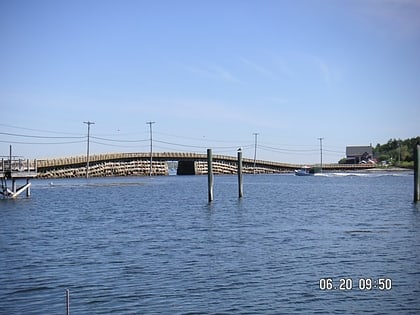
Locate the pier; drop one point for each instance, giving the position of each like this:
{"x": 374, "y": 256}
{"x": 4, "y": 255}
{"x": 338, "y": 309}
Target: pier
{"x": 14, "y": 170}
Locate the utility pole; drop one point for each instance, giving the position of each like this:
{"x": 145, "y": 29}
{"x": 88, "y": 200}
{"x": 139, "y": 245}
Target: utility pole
{"x": 320, "y": 147}
{"x": 88, "y": 140}
{"x": 150, "y": 123}
{"x": 399, "y": 153}
{"x": 255, "y": 149}
{"x": 10, "y": 159}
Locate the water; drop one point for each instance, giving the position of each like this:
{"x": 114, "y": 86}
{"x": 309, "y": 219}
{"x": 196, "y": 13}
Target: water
{"x": 155, "y": 246}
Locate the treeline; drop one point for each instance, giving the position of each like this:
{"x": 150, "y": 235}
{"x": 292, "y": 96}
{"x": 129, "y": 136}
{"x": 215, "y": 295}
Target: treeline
{"x": 396, "y": 152}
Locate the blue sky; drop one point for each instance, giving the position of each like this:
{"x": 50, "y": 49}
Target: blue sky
{"x": 210, "y": 74}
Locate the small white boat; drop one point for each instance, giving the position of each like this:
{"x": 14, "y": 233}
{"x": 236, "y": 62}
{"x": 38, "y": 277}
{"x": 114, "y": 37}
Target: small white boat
{"x": 305, "y": 171}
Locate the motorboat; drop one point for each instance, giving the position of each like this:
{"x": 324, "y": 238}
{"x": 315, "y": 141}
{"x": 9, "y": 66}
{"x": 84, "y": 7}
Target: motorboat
{"x": 305, "y": 171}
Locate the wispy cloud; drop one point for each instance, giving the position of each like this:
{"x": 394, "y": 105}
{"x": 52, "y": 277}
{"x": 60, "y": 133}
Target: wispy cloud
{"x": 283, "y": 67}
{"x": 300, "y": 65}
{"x": 324, "y": 70}
{"x": 222, "y": 73}
{"x": 256, "y": 67}
{"x": 214, "y": 72}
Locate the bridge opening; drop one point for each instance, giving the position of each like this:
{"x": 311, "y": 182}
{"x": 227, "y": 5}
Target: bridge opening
{"x": 186, "y": 167}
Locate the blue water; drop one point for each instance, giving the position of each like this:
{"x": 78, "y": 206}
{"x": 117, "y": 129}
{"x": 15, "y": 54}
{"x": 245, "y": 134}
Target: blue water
{"x": 144, "y": 245}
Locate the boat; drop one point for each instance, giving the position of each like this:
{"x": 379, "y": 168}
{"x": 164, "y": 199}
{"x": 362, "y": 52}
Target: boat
{"x": 305, "y": 171}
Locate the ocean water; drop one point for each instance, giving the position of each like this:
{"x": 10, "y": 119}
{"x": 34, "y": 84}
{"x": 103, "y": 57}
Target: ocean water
{"x": 139, "y": 245}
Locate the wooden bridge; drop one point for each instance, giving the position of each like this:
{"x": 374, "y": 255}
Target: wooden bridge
{"x": 137, "y": 164}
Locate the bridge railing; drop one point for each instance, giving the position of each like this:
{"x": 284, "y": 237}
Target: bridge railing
{"x": 78, "y": 160}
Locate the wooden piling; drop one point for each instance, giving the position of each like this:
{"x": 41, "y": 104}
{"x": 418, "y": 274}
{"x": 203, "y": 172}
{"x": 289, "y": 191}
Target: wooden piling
{"x": 67, "y": 302}
{"x": 240, "y": 177}
{"x": 28, "y": 189}
{"x": 210, "y": 174}
{"x": 416, "y": 172}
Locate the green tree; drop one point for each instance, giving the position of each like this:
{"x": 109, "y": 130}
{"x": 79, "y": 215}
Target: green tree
{"x": 342, "y": 161}
{"x": 396, "y": 151}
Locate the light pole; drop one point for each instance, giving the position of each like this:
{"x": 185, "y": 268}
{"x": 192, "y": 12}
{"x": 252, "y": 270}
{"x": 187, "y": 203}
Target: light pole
{"x": 150, "y": 123}
{"x": 320, "y": 147}
{"x": 87, "y": 152}
{"x": 399, "y": 153}
{"x": 255, "y": 149}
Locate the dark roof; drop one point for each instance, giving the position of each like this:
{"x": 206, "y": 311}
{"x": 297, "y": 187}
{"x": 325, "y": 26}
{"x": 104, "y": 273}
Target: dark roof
{"x": 358, "y": 150}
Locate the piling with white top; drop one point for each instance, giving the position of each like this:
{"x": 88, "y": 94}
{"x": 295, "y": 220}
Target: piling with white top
{"x": 240, "y": 177}
{"x": 210, "y": 174}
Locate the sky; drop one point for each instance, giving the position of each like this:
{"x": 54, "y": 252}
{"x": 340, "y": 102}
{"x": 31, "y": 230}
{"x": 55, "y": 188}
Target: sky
{"x": 210, "y": 74}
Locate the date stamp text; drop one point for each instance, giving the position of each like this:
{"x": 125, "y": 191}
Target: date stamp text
{"x": 362, "y": 284}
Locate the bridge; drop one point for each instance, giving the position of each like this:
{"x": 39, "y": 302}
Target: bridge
{"x": 138, "y": 164}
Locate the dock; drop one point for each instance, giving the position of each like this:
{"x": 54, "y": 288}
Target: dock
{"x": 13, "y": 171}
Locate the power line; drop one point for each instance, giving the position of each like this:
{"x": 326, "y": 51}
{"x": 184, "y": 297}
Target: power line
{"x": 41, "y": 143}
{"x": 39, "y": 130}
{"x": 198, "y": 146}
{"x": 119, "y": 140}
{"x": 288, "y": 144}
{"x": 38, "y": 137}
{"x": 182, "y": 146}
{"x": 285, "y": 150}
{"x": 113, "y": 145}
{"x": 333, "y": 151}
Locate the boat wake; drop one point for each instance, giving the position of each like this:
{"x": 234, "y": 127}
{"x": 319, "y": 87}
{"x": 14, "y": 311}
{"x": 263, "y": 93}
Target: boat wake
{"x": 366, "y": 174}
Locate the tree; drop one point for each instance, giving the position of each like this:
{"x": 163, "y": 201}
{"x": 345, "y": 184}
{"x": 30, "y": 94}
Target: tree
{"x": 396, "y": 151}
{"x": 342, "y": 161}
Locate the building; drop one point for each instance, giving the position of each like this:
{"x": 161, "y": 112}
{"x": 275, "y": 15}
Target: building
{"x": 359, "y": 154}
